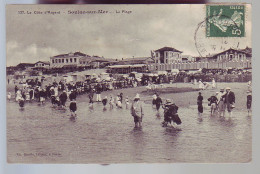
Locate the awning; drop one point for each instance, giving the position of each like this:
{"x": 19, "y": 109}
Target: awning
{"x": 127, "y": 66}
{"x": 56, "y": 66}
{"x": 69, "y": 66}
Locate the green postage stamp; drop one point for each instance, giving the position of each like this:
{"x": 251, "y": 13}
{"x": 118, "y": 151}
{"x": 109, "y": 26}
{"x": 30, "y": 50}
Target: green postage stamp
{"x": 225, "y": 20}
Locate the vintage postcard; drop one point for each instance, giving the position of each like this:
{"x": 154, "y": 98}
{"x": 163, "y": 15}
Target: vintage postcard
{"x": 129, "y": 83}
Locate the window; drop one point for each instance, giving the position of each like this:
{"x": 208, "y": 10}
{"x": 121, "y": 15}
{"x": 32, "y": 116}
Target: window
{"x": 62, "y": 60}
{"x": 67, "y": 60}
{"x": 166, "y": 60}
{"x": 166, "y": 54}
{"x": 56, "y": 60}
{"x": 230, "y": 56}
{"x": 59, "y": 60}
{"x": 157, "y": 54}
{"x": 75, "y": 59}
{"x": 52, "y": 60}
{"x": 70, "y": 59}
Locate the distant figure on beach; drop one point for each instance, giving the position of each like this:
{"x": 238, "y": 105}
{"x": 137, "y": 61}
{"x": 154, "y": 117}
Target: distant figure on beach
{"x": 229, "y": 100}
{"x": 20, "y": 99}
{"x": 195, "y": 81}
{"x": 154, "y": 99}
{"x": 90, "y": 96}
{"x": 15, "y": 90}
{"x": 118, "y": 101}
{"x": 42, "y": 95}
{"x": 121, "y": 97}
{"x": 98, "y": 92}
{"x": 126, "y": 102}
{"x": 249, "y": 86}
{"x": 201, "y": 85}
{"x": 31, "y": 93}
{"x": 73, "y": 108}
{"x": 158, "y": 102}
{"x": 9, "y": 96}
{"x": 63, "y": 99}
{"x": 111, "y": 102}
{"x": 57, "y": 101}
{"x": 249, "y": 102}
{"x": 199, "y": 103}
{"x": 137, "y": 111}
{"x": 213, "y": 84}
{"x": 206, "y": 85}
{"x": 104, "y": 102}
{"x": 221, "y": 104}
{"x": 73, "y": 95}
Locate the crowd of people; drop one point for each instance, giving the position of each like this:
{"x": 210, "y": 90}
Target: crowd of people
{"x": 59, "y": 93}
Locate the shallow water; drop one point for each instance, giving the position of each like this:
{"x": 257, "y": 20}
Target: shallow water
{"x": 42, "y": 134}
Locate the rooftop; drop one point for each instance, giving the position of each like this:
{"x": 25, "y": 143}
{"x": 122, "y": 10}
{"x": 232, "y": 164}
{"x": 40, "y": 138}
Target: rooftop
{"x": 168, "y": 49}
{"x": 71, "y": 54}
{"x": 45, "y": 62}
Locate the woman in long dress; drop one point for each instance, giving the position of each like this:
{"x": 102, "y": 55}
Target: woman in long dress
{"x": 118, "y": 101}
{"x": 213, "y": 83}
{"x": 221, "y": 104}
{"x": 201, "y": 85}
{"x": 111, "y": 102}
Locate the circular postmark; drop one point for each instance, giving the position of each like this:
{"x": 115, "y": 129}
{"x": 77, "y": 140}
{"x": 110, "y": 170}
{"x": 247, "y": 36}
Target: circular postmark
{"x": 207, "y": 46}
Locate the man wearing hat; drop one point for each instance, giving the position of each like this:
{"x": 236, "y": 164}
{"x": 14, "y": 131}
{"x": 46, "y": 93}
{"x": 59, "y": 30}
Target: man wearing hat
{"x": 170, "y": 114}
{"x": 137, "y": 111}
{"x": 229, "y": 100}
{"x": 249, "y": 101}
{"x": 213, "y": 100}
{"x": 158, "y": 102}
{"x": 166, "y": 108}
{"x": 221, "y": 104}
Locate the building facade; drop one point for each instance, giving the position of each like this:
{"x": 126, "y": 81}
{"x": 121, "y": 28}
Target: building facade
{"x": 70, "y": 59}
{"x": 231, "y": 55}
{"x": 136, "y": 60}
{"x": 167, "y": 55}
{"x": 231, "y": 58}
{"x": 42, "y": 64}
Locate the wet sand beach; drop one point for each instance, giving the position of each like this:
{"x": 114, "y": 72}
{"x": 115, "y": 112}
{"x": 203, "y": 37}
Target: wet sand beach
{"x": 43, "y": 134}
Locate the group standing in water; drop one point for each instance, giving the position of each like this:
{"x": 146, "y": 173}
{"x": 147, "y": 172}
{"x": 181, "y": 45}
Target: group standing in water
{"x": 223, "y": 101}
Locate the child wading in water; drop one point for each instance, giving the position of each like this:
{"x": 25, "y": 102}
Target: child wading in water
{"x": 73, "y": 108}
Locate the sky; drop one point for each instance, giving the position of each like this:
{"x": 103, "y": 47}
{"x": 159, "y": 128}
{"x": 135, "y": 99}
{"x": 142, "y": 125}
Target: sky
{"x": 34, "y": 37}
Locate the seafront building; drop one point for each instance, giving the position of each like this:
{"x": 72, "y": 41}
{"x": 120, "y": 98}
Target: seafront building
{"x": 163, "y": 59}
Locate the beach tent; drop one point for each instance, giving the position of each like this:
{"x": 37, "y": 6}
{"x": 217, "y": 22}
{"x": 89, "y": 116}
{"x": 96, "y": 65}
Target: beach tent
{"x": 162, "y": 73}
{"x": 68, "y": 78}
{"x": 175, "y": 71}
{"x": 105, "y": 76}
